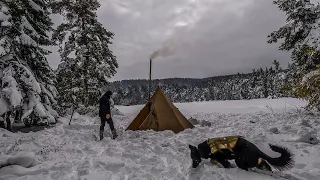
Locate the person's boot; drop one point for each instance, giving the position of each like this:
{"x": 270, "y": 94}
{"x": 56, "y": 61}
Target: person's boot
{"x": 101, "y": 135}
{"x": 114, "y": 134}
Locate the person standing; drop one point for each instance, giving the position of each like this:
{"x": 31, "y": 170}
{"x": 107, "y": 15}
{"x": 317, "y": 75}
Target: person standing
{"x": 105, "y": 114}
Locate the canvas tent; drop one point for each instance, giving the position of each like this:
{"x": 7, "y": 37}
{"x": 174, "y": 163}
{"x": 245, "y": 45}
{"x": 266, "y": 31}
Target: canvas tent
{"x": 160, "y": 114}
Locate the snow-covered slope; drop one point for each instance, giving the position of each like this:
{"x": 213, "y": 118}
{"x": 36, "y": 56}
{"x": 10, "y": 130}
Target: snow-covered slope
{"x": 72, "y": 152}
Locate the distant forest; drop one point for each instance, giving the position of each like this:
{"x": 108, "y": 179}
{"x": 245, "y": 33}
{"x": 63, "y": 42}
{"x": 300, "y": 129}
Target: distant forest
{"x": 260, "y": 83}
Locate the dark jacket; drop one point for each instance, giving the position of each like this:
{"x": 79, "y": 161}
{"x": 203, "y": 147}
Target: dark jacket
{"x": 104, "y": 108}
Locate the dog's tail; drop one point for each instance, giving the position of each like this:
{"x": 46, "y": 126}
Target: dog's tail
{"x": 284, "y": 162}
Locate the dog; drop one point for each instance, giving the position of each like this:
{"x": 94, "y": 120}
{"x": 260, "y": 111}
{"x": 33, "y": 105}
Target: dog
{"x": 245, "y": 154}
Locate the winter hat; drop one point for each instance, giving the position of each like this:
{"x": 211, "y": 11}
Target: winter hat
{"x": 109, "y": 93}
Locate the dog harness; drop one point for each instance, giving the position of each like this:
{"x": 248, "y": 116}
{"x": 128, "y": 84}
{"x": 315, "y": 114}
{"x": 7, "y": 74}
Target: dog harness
{"x": 228, "y": 142}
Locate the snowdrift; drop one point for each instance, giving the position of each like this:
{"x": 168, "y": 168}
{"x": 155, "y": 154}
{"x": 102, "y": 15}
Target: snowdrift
{"x": 18, "y": 164}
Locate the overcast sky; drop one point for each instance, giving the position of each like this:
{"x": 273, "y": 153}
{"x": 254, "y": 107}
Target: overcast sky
{"x": 205, "y": 37}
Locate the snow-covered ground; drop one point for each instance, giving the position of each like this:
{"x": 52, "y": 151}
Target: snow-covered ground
{"x": 72, "y": 152}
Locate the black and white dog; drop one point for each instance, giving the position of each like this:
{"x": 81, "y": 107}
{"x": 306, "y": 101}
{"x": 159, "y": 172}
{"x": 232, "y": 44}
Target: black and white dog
{"x": 245, "y": 154}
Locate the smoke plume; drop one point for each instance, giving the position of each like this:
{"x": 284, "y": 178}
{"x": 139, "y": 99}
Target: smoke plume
{"x": 167, "y": 49}
{"x": 186, "y": 17}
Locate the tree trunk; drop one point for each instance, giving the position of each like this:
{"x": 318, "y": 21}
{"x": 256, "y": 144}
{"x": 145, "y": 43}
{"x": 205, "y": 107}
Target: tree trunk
{"x": 9, "y": 127}
{"x": 86, "y": 98}
{"x": 2, "y": 125}
{"x": 18, "y": 114}
{"x": 86, "y": 91}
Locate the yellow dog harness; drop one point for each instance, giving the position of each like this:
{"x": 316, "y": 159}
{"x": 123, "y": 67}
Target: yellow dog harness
{"x": 228, "y": 142}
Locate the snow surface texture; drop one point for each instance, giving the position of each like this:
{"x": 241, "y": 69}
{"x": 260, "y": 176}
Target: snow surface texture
{"x": 72, "y": 152}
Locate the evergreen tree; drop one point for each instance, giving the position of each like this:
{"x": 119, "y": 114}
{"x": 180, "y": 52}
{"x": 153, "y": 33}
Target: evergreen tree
{"x": 265, "y": 84}
{"x": 231, "y": 87}
{"x": 276, "y": 66}
{"x": 27, "y": 81}
{"x": 301, "y": 35}
{"x": 68, "y": 90}
{"x": 84, "y": 50}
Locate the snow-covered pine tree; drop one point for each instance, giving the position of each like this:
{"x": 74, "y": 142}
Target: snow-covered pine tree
{"x": 66, "y": 98}
{"x": 276, "y": 66}
{"x": 84, "y": 47}
{"x": 27, "y": 81}
{"x": 301, "y": 35}
{"x": 278, "y": 80}
{"x": 290, "y": 80}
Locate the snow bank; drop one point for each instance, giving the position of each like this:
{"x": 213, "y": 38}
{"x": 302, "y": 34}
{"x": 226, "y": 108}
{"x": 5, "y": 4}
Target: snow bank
{"x": 13, "y": 170}
{"x": 26, "y": 159}
{"x": 6, "y": 133}
{"x": 4, "y": 160}
{"x": 10, "y": 166}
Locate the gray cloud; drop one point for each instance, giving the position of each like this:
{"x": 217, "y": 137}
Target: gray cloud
{"x": 211, "y": 37}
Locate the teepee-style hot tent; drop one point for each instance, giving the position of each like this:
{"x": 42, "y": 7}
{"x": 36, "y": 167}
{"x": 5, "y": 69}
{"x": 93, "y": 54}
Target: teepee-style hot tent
{"x": 160, "y": 114}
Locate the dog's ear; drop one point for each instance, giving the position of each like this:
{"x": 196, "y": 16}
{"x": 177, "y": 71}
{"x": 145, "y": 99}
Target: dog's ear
{"x": 191, "y": 147}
